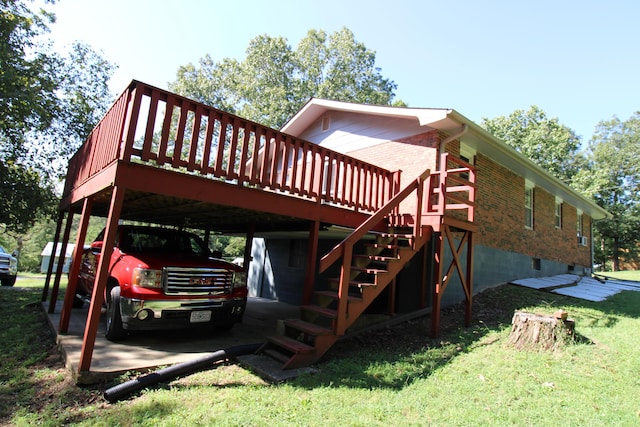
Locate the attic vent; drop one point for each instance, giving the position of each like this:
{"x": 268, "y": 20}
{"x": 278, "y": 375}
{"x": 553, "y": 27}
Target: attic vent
{"x": 326, "y": 123}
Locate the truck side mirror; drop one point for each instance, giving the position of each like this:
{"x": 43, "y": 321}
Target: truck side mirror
{"x": 96, "y": 248}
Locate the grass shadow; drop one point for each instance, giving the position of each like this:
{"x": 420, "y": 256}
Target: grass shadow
{"x": 395, "y": 357}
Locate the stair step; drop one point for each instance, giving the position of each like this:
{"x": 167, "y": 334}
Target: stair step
{"x": 395, "y": 235}
{"x": 368, "y": 270}
{"x": 334, "y": 295}
{"x": 275, "y": 354}
{"x": 323, "y": 311}
{"x": 354, "y": 283}
{"x": 383, "y": 246}
{"x": 290, "y": 344}
{"x": 378, "y": 258}
{"x": 308, "y": 328}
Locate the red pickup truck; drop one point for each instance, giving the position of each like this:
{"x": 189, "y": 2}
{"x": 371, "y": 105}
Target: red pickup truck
{"x": 163, "y": 279}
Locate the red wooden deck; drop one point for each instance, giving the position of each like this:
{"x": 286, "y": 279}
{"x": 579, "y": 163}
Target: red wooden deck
{"x": 185, "y": 164}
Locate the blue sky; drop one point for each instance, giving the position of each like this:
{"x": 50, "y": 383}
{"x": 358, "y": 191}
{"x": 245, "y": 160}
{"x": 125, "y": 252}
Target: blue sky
{"x": 577, "y": 60}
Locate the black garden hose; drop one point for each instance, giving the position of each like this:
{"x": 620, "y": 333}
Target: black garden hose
{"x": 116, "y": 393}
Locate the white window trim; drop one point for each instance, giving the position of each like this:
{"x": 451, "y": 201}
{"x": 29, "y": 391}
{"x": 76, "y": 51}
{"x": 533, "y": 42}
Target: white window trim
{"x": 467, "y": 152}
{"x": 558, "y": 219}
{"x": 582, "y": 239}
{"x": 529, "y": 187}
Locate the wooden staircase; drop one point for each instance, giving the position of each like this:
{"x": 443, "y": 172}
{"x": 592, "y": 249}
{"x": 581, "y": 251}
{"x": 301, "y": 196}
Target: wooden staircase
{"x": 371, "y": 259}
{"x": 370, "y": 262}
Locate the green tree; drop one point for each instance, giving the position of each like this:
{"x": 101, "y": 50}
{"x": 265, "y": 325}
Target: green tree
{"x": 48, "y": 104}
{"x": 235, "y": 247}
{"x": 28, "y": 100}
{"x": 274, "y": 81}
{"x": 24, "y": 198}
{"x": 83, "y": 97}
{"x": 546, "y": 142}
{"x": 612, "y": 178}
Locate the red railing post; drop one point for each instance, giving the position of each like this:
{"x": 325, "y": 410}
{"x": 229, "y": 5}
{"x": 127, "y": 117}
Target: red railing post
{"x": 132, "y": 122}
{"x": 419, "y": 195}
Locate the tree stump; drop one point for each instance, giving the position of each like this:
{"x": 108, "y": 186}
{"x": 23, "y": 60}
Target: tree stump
{"x": 534, "y": 331}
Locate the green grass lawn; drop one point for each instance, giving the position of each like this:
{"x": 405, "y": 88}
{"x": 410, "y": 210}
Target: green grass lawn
{"x": 396, "y": 376}
{"x": 624, "y": 275}
{"x": 36, "y": 280}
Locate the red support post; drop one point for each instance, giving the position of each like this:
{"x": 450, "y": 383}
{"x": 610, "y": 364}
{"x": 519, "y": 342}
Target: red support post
{"x": 469, "y": 290}
{"x": 56, "y": 239}
{"x": 437, "y": 285}
{"x": 311, "y": 268}
{"x": 343, "y": 289}
{"x": 93, "y": 320}
{"x": 56, "y": 282}
{"x": 69, "y": 296}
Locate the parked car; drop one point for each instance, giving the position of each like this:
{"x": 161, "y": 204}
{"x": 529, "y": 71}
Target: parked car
{"x": 8, "y": 267}
{"x": 162, "y": 279}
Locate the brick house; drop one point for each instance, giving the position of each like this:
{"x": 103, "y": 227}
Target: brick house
{"x": 530, "y": 224}
{"x": 351, "y": 209}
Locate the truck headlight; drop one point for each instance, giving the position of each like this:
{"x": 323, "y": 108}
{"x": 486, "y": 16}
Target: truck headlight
{"x": 239, "y": 279}
{"x": 13, "y": 266}
{"x": 147, "y": 278}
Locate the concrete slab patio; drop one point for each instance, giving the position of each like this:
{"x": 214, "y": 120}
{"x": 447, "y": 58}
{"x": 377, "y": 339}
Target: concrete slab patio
{"x": 147, "y": 351}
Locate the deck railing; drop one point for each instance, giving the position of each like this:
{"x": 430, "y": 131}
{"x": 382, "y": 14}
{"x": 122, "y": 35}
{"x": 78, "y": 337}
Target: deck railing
{"x": 151, "y": 126}
{"x": 453, "y": 188}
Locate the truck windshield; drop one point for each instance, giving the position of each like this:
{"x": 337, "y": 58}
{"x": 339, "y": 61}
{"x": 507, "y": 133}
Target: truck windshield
{"x": 161, "y": 241}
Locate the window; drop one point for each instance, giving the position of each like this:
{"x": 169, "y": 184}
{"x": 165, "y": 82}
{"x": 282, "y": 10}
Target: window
{"x": 528, "y": 206}
{"x": 579, "y": 223}
{"x": 582, "y": 240}
{"x": 467, "y": 154}
{"x": 558, "y": 213}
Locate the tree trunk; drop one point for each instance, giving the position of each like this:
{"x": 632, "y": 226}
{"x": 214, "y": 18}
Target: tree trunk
{"x": 616, "y": 255}
{"x": 534, "y": 331}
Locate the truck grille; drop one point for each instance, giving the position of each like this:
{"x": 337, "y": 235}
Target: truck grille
{"x": 4, "y": 262}
{"x": 196, "y": 281}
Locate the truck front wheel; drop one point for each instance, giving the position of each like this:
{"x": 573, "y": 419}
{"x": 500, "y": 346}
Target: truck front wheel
{"x": 10, "y": 281}
{"x": 114, "y": 331}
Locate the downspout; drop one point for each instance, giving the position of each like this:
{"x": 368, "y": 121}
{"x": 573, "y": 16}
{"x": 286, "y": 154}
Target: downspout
{"x": 453, "y": 137}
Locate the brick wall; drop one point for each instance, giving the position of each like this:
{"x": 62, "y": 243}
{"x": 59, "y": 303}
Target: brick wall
{"x": 410, "y": 155}
{"x": 500, "y": 218}
{"x": 499, "y": 201}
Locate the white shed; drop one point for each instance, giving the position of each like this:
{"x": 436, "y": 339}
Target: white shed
{"x": 46, "y": 257}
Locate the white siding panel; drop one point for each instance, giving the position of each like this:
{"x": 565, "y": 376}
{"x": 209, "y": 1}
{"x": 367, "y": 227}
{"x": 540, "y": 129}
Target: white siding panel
{"x": 548, "y": 282}
{"x": 349, "y": 132}
{"x": 585, "y": 288}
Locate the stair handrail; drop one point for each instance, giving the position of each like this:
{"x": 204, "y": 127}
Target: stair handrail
{"x": 345, "y": 248}
{"x": 333, "y": 256}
